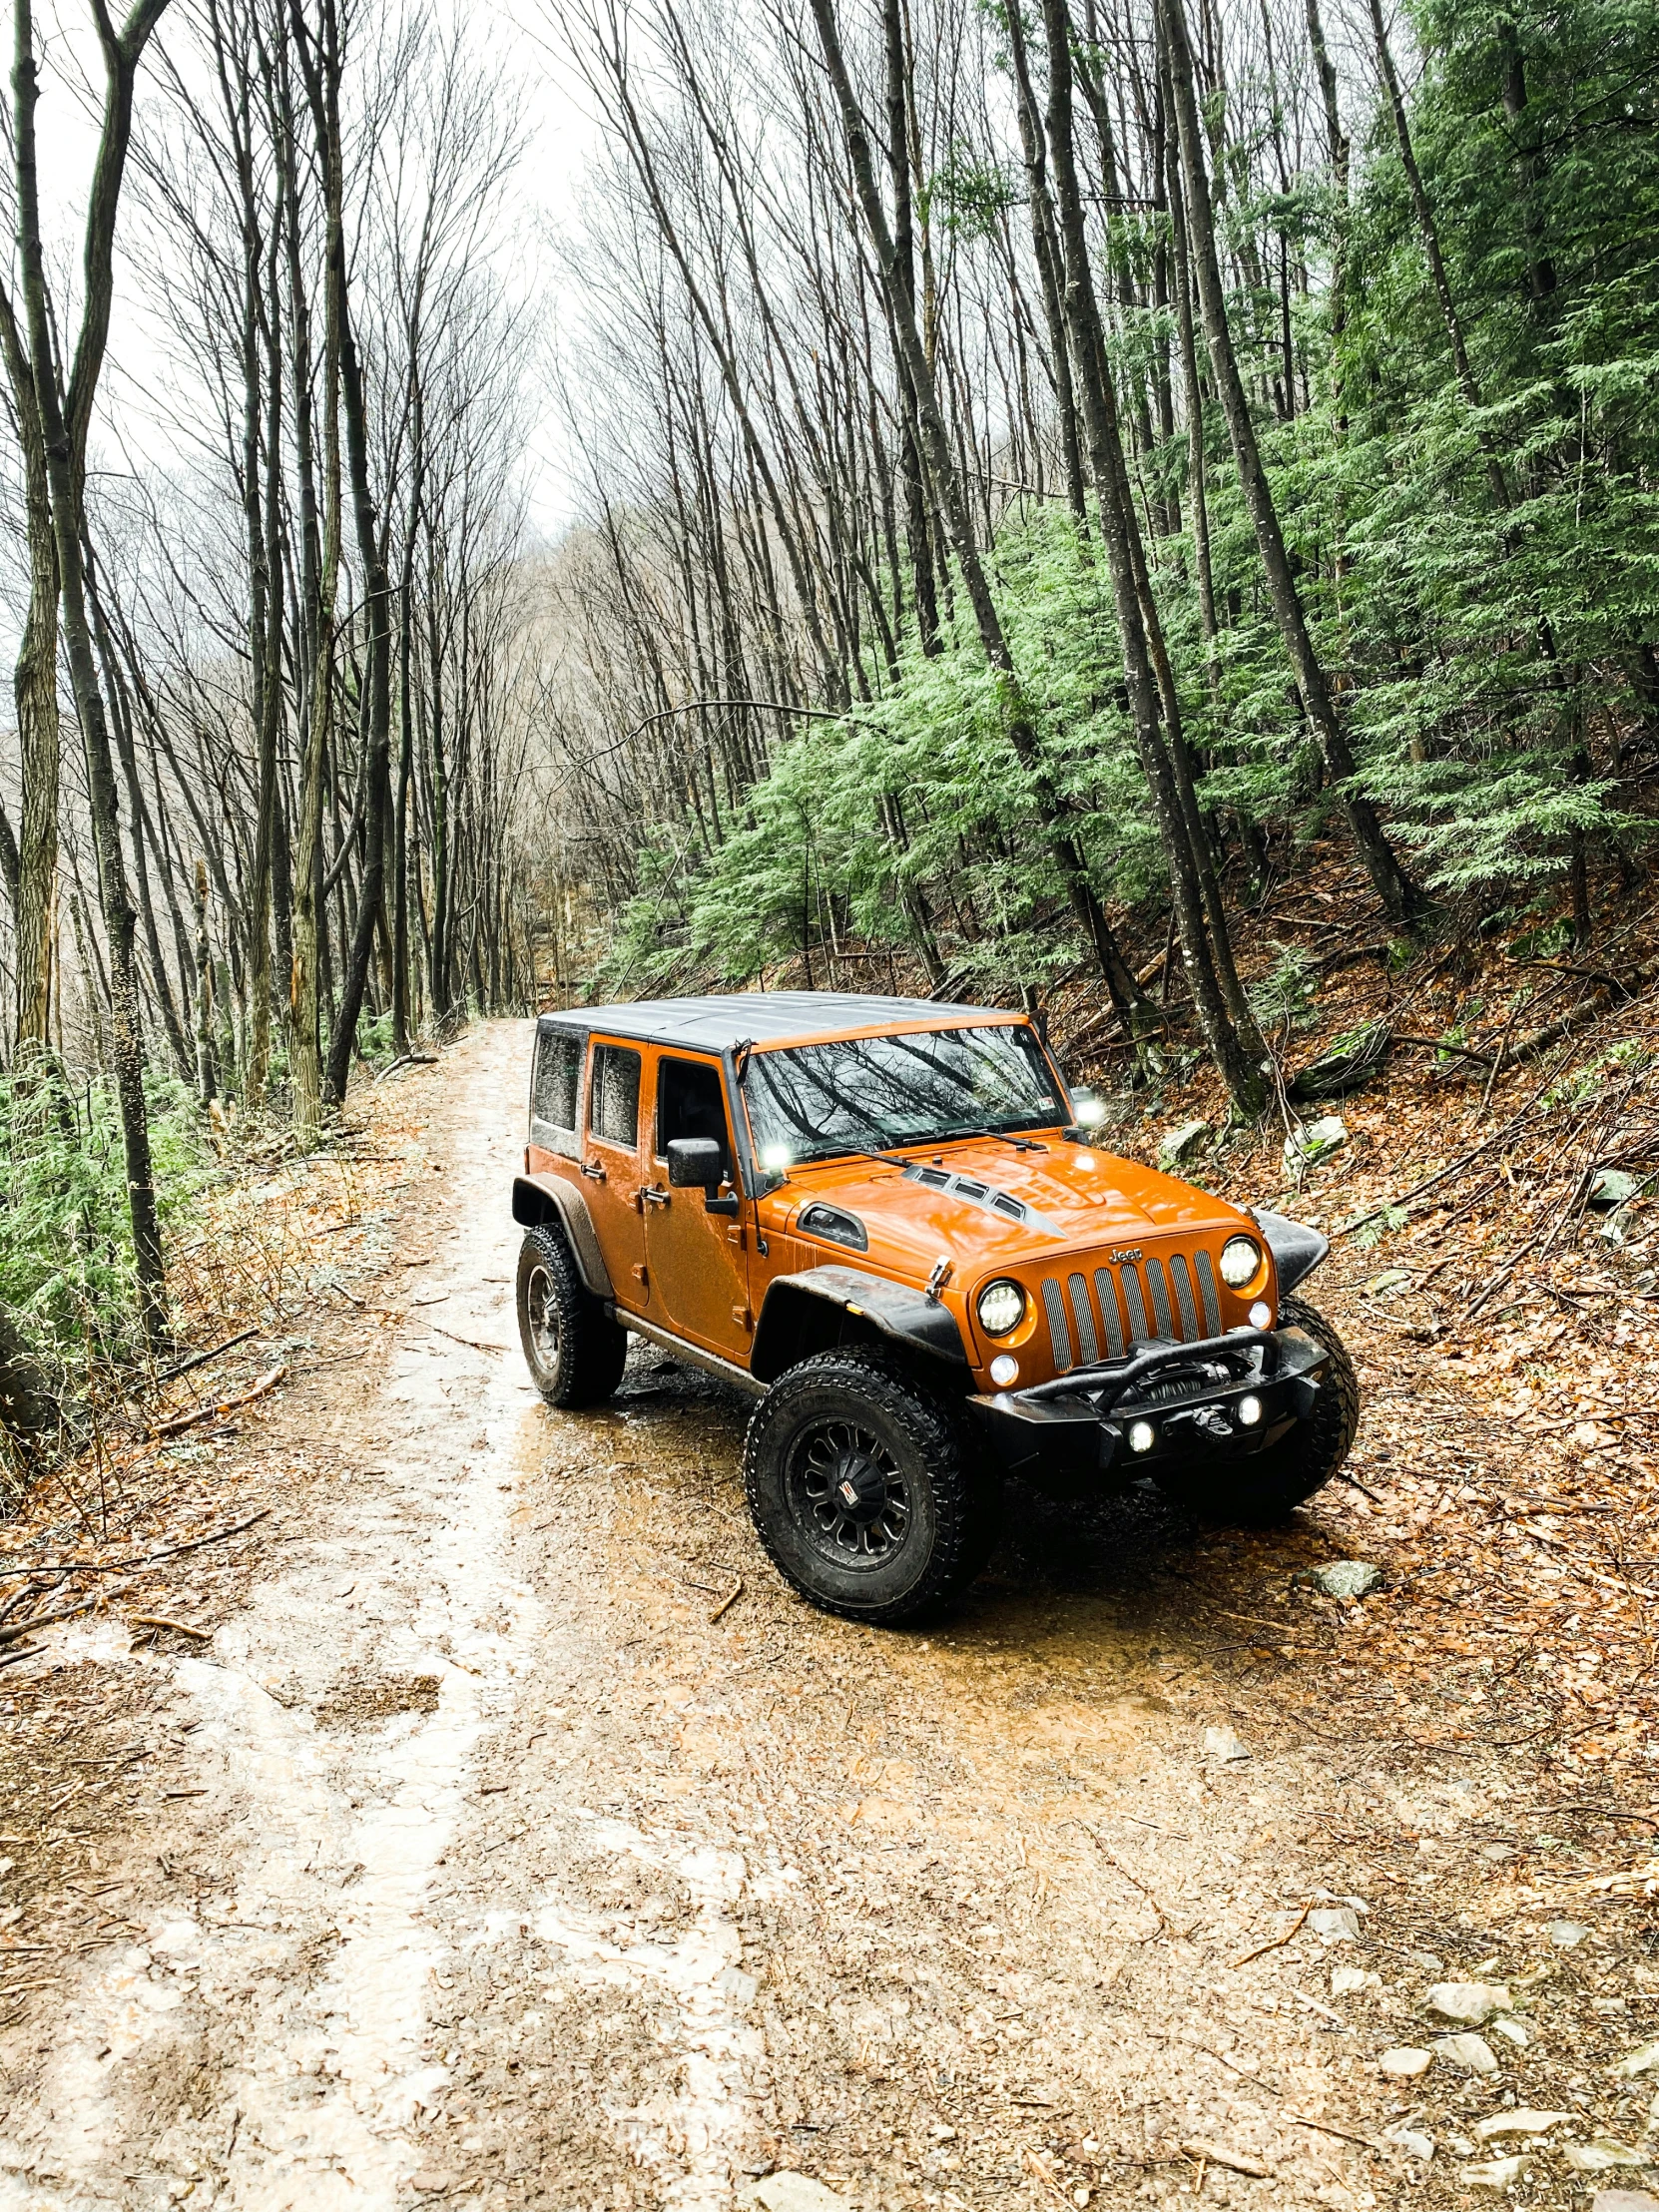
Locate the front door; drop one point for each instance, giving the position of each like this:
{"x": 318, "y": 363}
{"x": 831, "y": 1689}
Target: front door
{"x": 611, "y": 1167}
{"x": 699, "y": 1261}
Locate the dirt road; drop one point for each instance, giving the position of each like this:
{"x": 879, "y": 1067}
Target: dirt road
{"x": 518, "y": 1837}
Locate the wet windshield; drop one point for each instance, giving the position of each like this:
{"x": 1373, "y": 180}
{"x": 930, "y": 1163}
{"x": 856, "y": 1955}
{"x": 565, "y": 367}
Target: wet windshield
{"x": 861, "y": 1094}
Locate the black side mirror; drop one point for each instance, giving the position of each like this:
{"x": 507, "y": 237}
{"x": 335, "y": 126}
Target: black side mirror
{"x": 694, "y": 1162}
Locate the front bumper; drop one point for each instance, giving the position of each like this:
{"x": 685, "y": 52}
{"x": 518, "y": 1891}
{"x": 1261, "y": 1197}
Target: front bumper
{"x": 1073, "y": 1435}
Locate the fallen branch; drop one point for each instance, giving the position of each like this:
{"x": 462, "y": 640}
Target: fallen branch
{"x": 473, "y": 1343}
{"x": 182, "y": 1422}
{"x": 1324, "y": 2127}
{"x": 1279, "y": 1941}
{"x": 1438, "y": 1044}
{"x": 1211, "y": 2154}
{"x": 201, "y": 1359}
{"x": 1165, "y": 1926}
{"x": 150, "y": 1559}
{"x": 159, "y": 1620}
{"x": 16, "y": 1634}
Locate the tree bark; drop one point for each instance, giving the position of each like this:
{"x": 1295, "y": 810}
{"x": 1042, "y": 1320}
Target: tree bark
{"x": 1429, "y": 234}
{"x": 35, "y": 692}
{"x": 1398, "y": 894}
{"x": 1232, "y": 1045}
{"x": 319, "y": 63}
{"x": 947, "y": 493}
{"x": 63, "y": 421}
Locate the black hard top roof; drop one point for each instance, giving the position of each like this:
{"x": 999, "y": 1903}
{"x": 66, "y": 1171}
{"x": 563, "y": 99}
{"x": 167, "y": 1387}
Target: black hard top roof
{"x": 764, "y": 1017}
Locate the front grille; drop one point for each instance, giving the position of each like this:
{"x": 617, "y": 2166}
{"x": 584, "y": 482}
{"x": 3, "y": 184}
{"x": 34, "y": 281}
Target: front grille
{"x": 1128, "y": 1309}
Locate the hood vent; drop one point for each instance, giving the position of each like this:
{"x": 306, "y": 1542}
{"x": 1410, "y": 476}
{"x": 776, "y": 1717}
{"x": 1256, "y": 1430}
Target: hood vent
{"x": 985, "y": 1195}
{"x": 833, "y": 1222}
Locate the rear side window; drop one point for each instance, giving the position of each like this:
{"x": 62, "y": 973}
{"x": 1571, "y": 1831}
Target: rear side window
{"x": 614, "y": 1102}
{"x": 556, "y": 1081}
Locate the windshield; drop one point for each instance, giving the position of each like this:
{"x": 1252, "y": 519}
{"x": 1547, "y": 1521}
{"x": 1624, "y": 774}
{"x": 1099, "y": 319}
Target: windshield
{"x": 861, "y": 1094}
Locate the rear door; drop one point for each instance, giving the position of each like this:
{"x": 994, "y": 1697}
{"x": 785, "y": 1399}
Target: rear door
{"x": 611, "y": 1165}
{"x": 699, "y": 1262}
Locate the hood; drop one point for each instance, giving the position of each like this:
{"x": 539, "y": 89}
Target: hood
{"x": 996, "y": 1207}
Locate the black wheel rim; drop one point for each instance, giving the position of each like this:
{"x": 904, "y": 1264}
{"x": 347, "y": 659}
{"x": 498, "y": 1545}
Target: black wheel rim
{"x": 541, "y": 1314}
{"x": 846, "y": 1495}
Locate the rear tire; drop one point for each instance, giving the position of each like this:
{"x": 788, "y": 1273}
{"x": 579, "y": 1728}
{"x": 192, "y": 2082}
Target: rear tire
{"x": 573, "y": 1349}
{"x": 922, "y": 1521}
{"x": 1259, "y": 1492}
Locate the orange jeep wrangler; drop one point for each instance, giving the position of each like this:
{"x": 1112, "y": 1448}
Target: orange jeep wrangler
{"x": 888, "y": 1222}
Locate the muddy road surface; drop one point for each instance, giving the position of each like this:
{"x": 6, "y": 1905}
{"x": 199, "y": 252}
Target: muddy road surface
{"x": 518, "y": 1839}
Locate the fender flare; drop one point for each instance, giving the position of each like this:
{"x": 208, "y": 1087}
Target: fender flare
{"x": 822, "y": 1307}
{"x": 1297, "y": 1250}
{"x": 541, "y": 1199}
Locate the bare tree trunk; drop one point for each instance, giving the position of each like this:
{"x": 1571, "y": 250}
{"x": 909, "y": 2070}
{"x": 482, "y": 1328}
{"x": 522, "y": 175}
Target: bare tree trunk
{"x": 35, "y": 691}
{"x": 1399, "y": 895}
{"x": 320, "y": 62}
{"x": 206, "y": 1079}
{"x": 947, "y": 493}
{"x": 1201, "y": 921}
{"x": 1428, "y": 231}
{"x": 378, "y": 734}
{"x": 61, "y": 424}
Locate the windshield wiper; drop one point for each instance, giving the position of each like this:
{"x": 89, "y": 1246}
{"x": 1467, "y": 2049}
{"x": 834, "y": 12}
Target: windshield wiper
{"x": 856, "y": 1152}
{"x": 1001, "y": 1135}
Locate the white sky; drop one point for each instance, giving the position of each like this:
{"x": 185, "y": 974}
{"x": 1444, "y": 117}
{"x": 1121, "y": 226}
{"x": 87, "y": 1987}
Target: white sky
{"x": 133, "y": 393}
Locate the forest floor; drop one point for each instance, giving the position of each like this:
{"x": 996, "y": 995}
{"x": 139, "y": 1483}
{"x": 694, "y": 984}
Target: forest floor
{"x": 486, "y": 1823}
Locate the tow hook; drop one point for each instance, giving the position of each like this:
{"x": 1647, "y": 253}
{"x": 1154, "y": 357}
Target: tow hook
{"x": 1210, "y": 1419}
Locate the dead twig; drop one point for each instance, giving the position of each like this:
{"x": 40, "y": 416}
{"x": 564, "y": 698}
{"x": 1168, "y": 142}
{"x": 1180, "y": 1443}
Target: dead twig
{"x": 150, "y": 1559}
{"x": 473, "y": 1343}
{"x": 1324, "y": 2127}
{"x": 1164, "y": 1924}
{"x": 725, "y": 1604}
{"x": 160, "y": 1621}
{"x": 201, "y": 1359}
{"x": 182, "y": 1422}
{"x": 1279, "y": 1941}
{"x": 1235, "y": 2160}
{"x": 1438, "y": 1044}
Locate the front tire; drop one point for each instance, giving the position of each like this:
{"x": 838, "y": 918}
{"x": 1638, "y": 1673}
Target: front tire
{"x": 1259, "y": 1492}
{"x": 864, "y": 1488}
{"x": 573, "y": 1349}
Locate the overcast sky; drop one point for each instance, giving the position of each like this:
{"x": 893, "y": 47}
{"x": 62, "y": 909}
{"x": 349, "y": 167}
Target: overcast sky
{"x": 136, "y": 398}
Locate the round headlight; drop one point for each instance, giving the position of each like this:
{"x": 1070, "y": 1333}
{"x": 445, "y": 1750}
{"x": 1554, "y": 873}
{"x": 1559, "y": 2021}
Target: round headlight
{"x": 1002, "y": 1307}
{"x": 1241, "y": 1261}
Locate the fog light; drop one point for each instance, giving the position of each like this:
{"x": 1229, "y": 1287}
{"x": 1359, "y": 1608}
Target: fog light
{"x": 1250, "y": 1412}
{"x": 1004, "y": 1370}
{"x": 1142, "y": 1436}
{"x": 1261, "y": 1314}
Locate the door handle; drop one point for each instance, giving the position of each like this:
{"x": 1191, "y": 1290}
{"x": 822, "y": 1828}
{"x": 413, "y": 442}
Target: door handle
{"x": 653, "y": 1194}
{"x": 593, "y": 1170}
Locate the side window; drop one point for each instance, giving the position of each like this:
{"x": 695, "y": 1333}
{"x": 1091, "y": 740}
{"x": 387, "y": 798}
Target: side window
{"x": 556, "y": 1082}
{"x": 614, "y": 1100}
{"x": 691, "y": 1102}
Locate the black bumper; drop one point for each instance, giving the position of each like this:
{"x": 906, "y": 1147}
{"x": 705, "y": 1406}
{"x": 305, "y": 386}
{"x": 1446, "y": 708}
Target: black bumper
{"x": 1079, "y": 1433}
